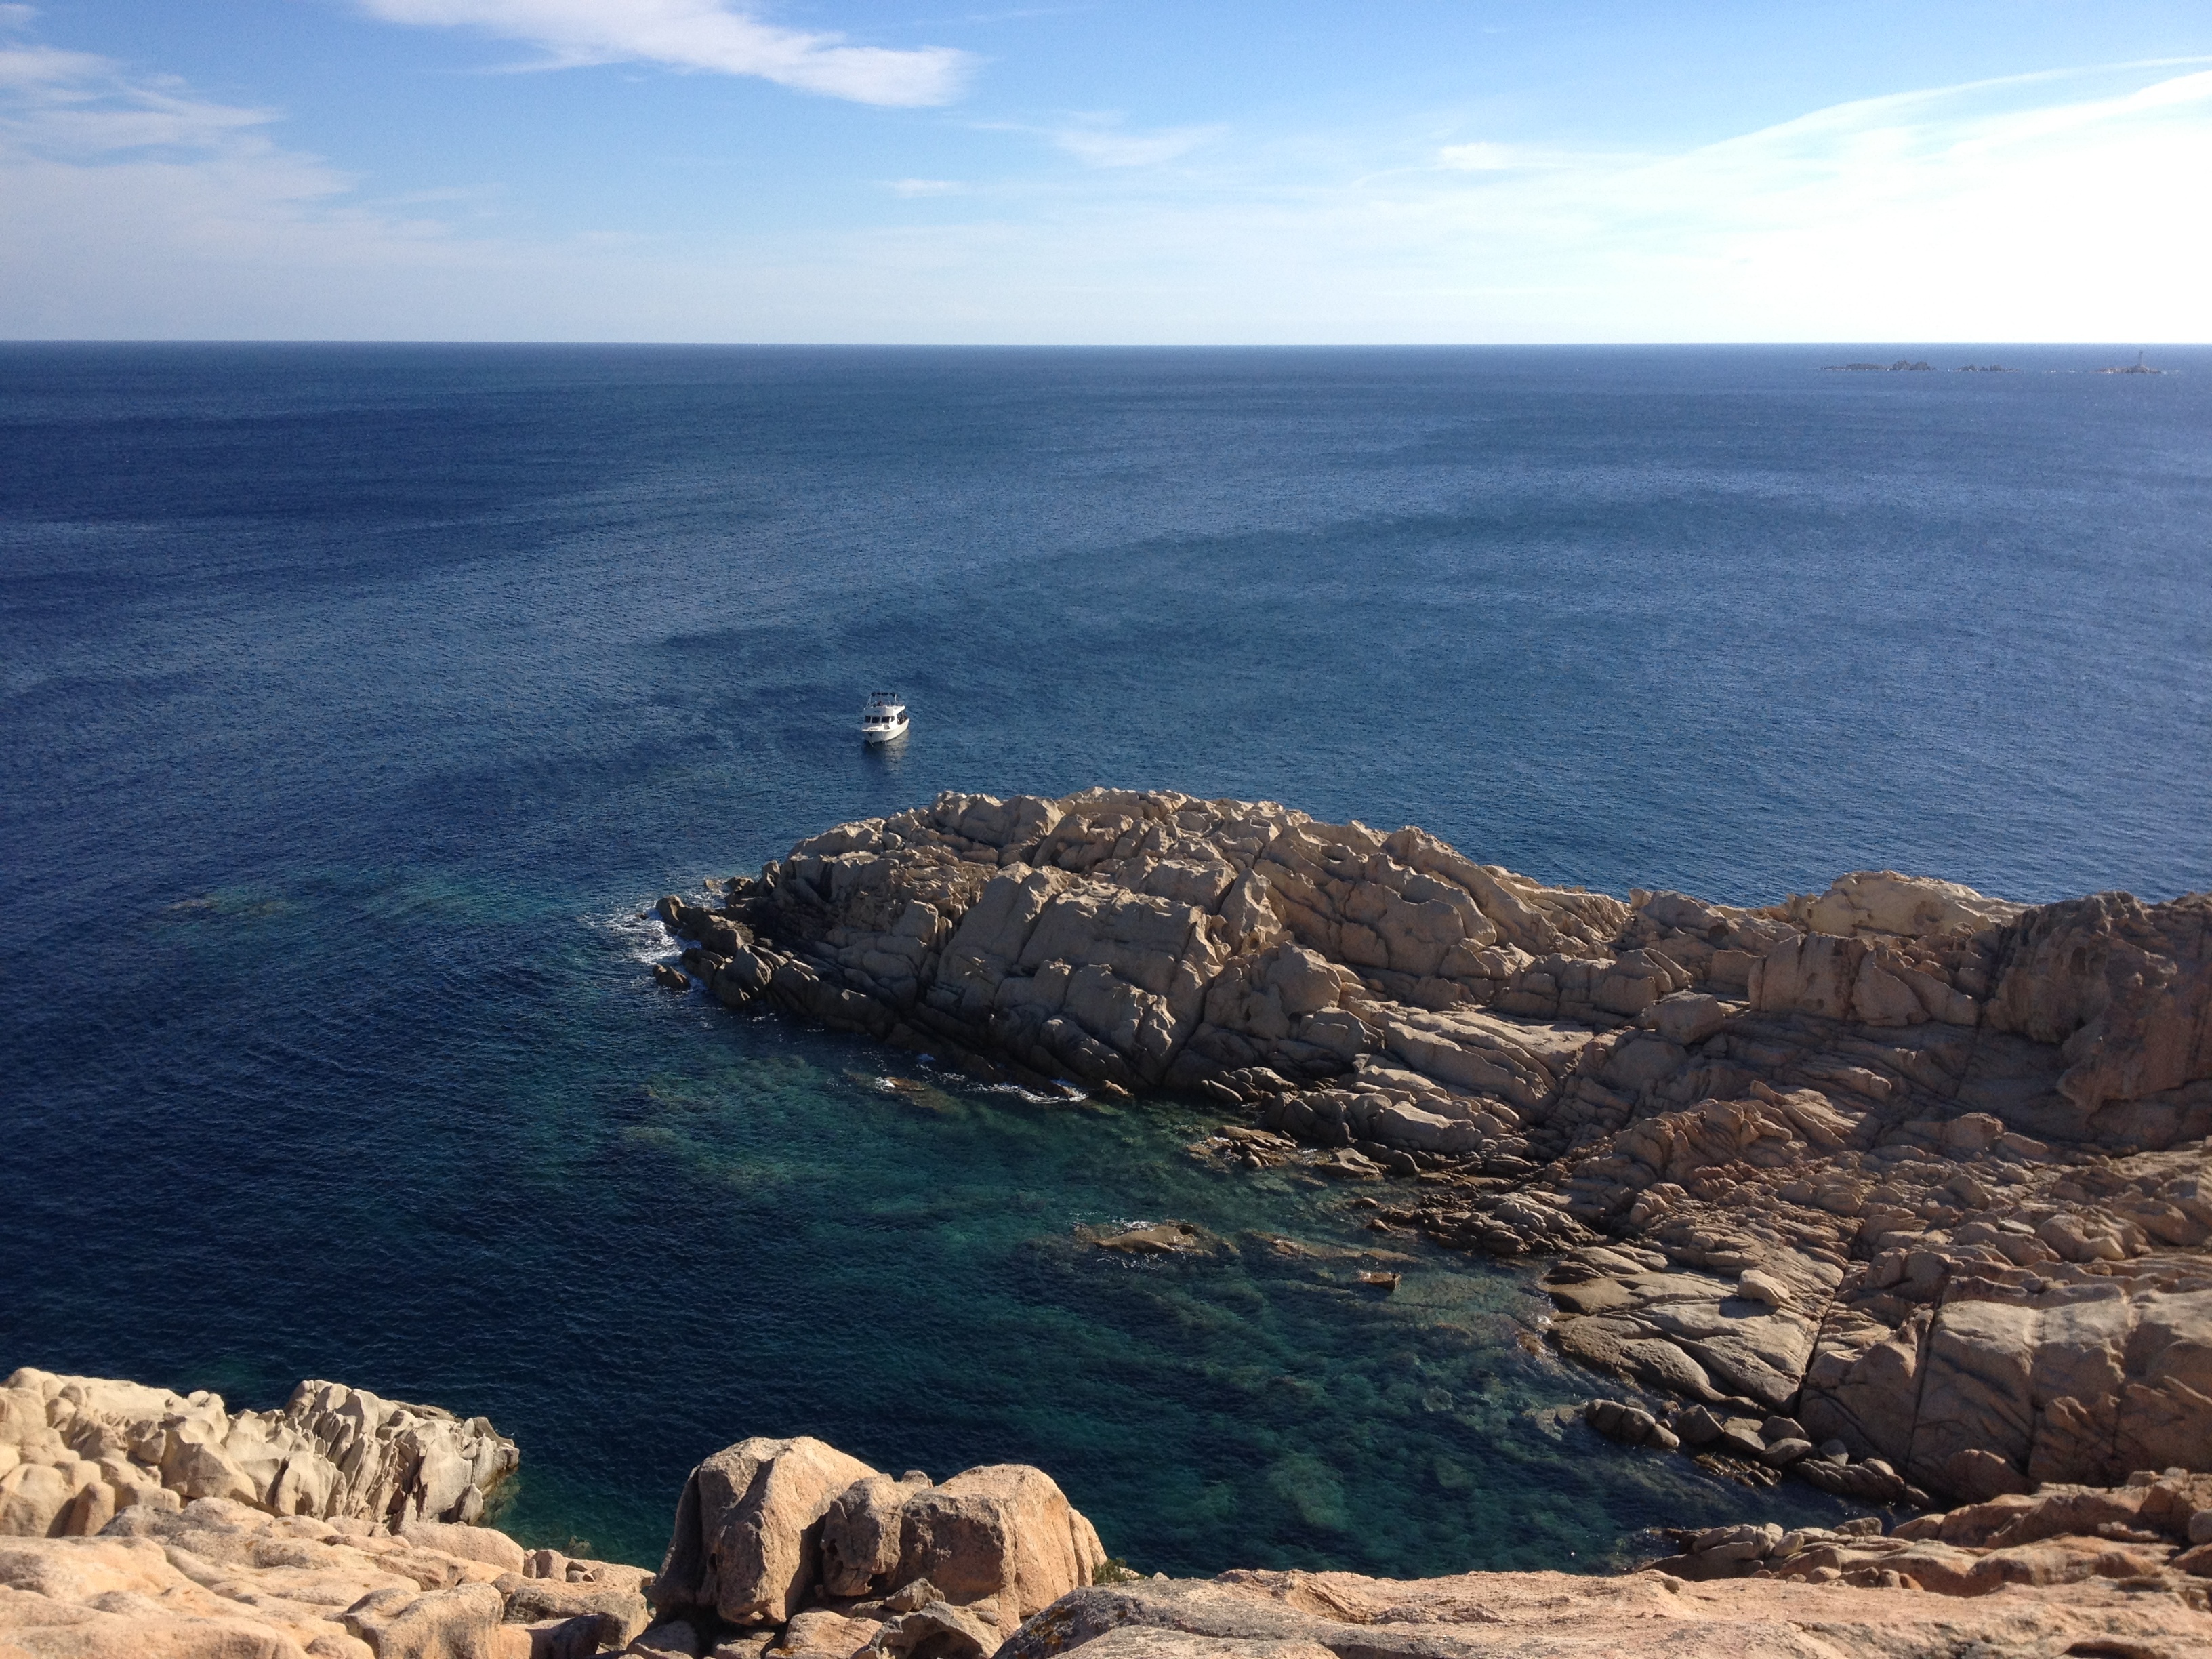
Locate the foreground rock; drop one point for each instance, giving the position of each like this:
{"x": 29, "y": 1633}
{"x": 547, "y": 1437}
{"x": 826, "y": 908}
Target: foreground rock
{"x": 789, "y": 1549}
{"x": 2149, "y": 1536}
{"x": 766, "y": 1528}
{"x": 219, "y": 1579}
{"x": 782, "y": 1542}
{"x": 1334, "y": 1615}
{"x": 74, "y": 1451}
{"x": 1921, "y": 1171}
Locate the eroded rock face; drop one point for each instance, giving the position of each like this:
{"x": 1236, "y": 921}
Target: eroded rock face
{"x": 1922, "y": 1167}
{"x": 77, "y": 1450}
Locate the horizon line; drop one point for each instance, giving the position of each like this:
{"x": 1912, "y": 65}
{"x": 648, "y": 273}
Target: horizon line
{"x": 1114, "y": 345}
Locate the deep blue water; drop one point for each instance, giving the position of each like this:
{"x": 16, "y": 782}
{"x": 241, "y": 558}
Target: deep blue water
{"x": 356, "y": 700}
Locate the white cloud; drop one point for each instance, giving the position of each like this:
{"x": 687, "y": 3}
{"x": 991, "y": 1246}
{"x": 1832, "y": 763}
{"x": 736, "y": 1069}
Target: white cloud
{"x": 701, "y": 35}
{"x": 1101, "y": 145}
{"x": 2067, "y": 208}
{"x": 135, "y": 210}
{"x": 1524, "y": 158}
{"x": 45, "y": 66}
{"x": 1478, "y": 158}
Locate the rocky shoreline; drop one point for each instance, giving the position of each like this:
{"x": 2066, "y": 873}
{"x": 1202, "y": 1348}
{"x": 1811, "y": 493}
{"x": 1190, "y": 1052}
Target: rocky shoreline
{"x": 1898, "y": 1189}
{"x": 790, "y": 1549}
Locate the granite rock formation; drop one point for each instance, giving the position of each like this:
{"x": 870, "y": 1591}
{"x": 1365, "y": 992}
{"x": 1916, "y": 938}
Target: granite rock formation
{"x": 1335, "y": 1615}
{"x": 221, "y": 1579}
{"x": 765, "y": 1528}
{"x": 1923, "y": 1170}
{"x": 776, "y": 1554}
{"x": 74, "y": 1451}
{"x": 787, "y": 1544}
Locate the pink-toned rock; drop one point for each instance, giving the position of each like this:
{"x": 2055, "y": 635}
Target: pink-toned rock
{"x": 1294, "y": 1615}
{"x": 818, "y": 1633}
{"x": 485, "y": 1544}
{"x": 331, "y": 1451}
{"x": 1005, "y": 1531}
{"x": 862, "y": 1532}
{"x": 747, "y": 1537}
{"x": 459, "y": 1623}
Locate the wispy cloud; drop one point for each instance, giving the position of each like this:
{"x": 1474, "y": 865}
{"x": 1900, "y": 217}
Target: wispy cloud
{"x": 134, "y": 208}
{"x": 2068, "y": 207}
{"x": 1485, "y": 157}
{"x": 701, "y": 35}
{"x": 1478, "y": 158}
{"x": 1102, "y": 143}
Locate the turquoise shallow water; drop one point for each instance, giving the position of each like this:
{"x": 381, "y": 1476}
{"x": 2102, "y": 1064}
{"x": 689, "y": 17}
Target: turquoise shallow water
{"x": 356, "y": 700}
{"x": 913, "y": 1236}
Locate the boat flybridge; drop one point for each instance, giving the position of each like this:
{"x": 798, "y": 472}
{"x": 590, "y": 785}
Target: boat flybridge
{"x": 883, "y": 720}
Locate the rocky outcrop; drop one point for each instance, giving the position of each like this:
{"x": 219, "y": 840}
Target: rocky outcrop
{"x": 748, "y": 1540}
{"x": 2151, "y": 1534}
{"x": 766, "y": 1528}
{"x": 1921, "y": 1168}
{"x": 216, "y": 1578}
{"x": 993, "y": 1562}
{"x": 1820, "y": 1612}
{"x": 74, "y": 1451}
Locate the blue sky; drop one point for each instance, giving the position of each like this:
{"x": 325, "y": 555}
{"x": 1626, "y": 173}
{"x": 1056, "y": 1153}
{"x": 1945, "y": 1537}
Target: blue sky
{"x": 1392, "y": 171}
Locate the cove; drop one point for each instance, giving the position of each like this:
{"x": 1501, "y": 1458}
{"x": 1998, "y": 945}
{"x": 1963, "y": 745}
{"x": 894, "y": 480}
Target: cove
{"x": 360, "y": 698}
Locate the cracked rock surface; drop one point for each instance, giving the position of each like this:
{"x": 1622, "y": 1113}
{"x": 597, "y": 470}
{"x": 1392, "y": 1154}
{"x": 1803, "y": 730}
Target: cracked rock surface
{"x": 1921, "y": 1170}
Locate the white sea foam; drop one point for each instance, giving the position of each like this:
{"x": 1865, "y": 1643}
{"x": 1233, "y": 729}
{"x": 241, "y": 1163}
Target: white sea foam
{"x": 640, "y": 936}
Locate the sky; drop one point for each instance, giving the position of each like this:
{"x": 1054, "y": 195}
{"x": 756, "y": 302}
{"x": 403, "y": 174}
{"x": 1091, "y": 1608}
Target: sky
{"x": 1121, "y": 172}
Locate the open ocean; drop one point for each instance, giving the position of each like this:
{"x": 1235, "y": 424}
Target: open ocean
{"x": 358, "y": 699}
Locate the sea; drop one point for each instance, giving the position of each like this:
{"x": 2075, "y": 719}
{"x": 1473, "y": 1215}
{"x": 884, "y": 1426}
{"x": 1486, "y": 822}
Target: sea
{"x": 359, "y": 700}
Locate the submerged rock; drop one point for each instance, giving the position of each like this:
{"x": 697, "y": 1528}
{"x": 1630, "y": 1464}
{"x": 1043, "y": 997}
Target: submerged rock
{"x": 1156, "y": 1238}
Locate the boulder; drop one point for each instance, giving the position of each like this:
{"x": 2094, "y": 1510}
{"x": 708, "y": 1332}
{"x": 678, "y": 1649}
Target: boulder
{"x": 820, "y": 1633}
{"x": 863, "y": 1533}
{"x": 485, "y": 1544}
{"x": 1005, "y": 1531}
{"x": 747, "y": 1537}
{"x": 1853, "y": 1606}
{"x": 1844, "y": 1125}
{"x": 676, "y": 1638}
{"x": 937, "y": 1631}
{"x": 618, "y": 1611}
{"x": 449, "y": 1623}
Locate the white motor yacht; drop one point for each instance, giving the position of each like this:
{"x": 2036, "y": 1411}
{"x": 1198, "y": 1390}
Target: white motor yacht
{"x": 883, "y": 720}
